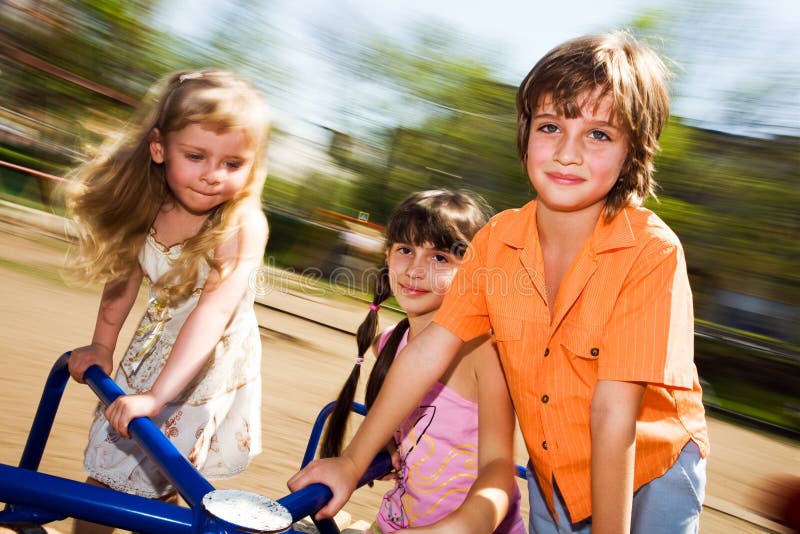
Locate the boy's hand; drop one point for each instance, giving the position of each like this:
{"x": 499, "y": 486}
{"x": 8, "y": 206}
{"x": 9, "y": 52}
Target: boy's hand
{"x": 84, "y": 357}
{"x": 120, "y": 412}
{"x": 339, "y": 474}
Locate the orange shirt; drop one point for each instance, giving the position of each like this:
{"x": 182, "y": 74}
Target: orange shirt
{"x": 623, "y": 312}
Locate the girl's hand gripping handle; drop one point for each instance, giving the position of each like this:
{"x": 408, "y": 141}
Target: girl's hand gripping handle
{"x": 340, "y": 474}
{"x": 84, "y": 357}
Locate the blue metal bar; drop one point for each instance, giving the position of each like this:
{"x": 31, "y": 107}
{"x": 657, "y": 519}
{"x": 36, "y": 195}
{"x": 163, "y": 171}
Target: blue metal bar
{"x": 522, "y": 472}
{"x": 45, "y": 414}
{"x": 40, "y": 498}
{"x": 319, "y": 496}
{"x": 189, "y": 482}
{"x": 91, "y": 503}
{"x": 328, "y": 526}
{"x": 319, "y": 424}
{"x": 15, "y": 513}
{"x": 316, "y": 433}
{"x": 308, "y": 500}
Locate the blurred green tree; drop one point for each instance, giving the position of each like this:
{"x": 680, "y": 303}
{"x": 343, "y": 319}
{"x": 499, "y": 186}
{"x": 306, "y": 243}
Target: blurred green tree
{"x": 74, "y": 70}
{"x": 443, "y": 120}
{"x": 731, "y": 195}
{"x": 425, "y": 112}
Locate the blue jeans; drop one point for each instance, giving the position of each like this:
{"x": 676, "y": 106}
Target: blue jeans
{"x": 669, "y": 504}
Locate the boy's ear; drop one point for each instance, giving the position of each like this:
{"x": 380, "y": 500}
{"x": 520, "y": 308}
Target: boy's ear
{"x": 156, "y": 146}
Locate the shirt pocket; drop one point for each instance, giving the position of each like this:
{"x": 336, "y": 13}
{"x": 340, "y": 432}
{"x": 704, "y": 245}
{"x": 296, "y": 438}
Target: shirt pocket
{"x": 506, "y": 328}
{"x": 582, "y": 349}
{"x": 582, "y": 343}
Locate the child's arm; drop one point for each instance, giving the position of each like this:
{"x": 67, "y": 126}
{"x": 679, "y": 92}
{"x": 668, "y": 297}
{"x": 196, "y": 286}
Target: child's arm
{"x": 115, "y": 305}
{"x": 648, "y": 341}
{"x": 203, "y": 328}
{"x": 615, "y": 406}
{"x": 418, "y": 366}
{"x": 489, "y": 497}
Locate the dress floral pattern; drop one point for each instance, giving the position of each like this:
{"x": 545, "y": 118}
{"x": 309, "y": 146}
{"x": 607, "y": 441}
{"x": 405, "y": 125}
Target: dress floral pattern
{"x": 215, "y": 422}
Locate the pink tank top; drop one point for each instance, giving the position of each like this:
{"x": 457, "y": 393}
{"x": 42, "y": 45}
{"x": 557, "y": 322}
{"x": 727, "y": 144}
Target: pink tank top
{"x": 438, "y": 447}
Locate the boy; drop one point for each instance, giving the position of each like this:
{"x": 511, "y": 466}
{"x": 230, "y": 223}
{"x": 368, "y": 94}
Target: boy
{"x": 588, "y": 297}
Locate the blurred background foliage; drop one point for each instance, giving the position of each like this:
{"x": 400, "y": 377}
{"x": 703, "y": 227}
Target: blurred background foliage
{"x": 423, "y": 112}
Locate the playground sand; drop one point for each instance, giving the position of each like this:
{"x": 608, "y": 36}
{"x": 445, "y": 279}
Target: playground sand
{"x": 303, "y": 365}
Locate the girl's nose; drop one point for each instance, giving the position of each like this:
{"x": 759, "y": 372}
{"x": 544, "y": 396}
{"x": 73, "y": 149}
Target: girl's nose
{"x": 416, "y": 273}
{"x": 210, "y": 176}
{"x": 415, "y": 269}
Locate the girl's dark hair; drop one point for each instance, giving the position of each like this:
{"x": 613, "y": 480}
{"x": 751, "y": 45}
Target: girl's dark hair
{"x": 446, "y": 219}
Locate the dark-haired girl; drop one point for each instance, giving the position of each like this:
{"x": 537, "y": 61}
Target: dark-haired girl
{"x": 454, "y": 452}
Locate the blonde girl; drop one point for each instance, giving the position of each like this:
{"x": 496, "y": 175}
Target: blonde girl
{"x": 176, "y": 203}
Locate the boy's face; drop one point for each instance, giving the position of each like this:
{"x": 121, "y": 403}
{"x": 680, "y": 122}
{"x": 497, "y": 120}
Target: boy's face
{"x": 574, "y": 163}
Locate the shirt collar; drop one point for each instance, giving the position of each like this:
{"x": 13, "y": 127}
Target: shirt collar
{"x": 521, "y": 226}
{"x": 521, "y": 230}
{"x": 616, "y": 234}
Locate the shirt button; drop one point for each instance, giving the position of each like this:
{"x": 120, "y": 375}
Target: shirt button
{"x": 546, "y": 352}
{"x": 545, "y": 398}
{"x": 544, "y": 445}
{"x": 595, "y": 351}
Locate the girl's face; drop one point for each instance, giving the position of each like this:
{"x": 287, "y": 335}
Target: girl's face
{"x": 419, "y": 276}
{"x": 204, "y": 168}
{"x": 574, "y": 163}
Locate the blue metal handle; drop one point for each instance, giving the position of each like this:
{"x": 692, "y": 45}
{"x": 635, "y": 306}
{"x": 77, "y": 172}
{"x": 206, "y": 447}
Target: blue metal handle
{"x": 40, "y": 498}
{"x": 381, "y": 465}
{"x": 306, "y": 501}
{"x": 319, "y": 424}
{"x": 45, "y": 414}
{"x": 189, "y": 482}
{"x": 30, "y": 490}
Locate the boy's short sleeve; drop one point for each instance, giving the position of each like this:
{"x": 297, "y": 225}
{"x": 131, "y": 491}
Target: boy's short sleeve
{"x": 464, "y": 311}
{"x": 650, "y": 337}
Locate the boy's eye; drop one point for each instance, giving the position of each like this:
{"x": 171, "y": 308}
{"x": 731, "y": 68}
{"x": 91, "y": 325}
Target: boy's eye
{"x": 403, "y": 249}
{"x": 440, "y": 258}
{"x": 599, "y": 135}
{"x": 194, "y": 156}
{"x": 548, "y": 128}
{"x": 233, "y": 165}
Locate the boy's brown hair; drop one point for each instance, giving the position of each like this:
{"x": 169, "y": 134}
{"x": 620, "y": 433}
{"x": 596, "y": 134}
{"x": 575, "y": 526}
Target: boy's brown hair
{"x": 620, "y": 66}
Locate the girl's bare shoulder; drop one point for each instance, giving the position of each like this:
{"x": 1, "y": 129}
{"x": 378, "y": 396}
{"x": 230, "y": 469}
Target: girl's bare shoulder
{"x": 254, "y": 221}
{"x": 250, "y": 236}
{"x": 463, "y": 374}
{"x": 482, "y": 357}
{"x": 478, "y": 348}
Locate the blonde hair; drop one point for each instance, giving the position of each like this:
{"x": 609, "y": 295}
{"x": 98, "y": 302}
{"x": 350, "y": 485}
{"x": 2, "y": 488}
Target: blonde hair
{"x": 620, "y": 66}
{"x": 115, "y": 197}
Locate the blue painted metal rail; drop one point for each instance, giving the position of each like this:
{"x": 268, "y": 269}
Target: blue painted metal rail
{"x": 34, "y": 497}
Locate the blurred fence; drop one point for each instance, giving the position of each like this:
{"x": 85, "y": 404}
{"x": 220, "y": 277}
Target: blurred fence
{"x": 749, "y": 379}
{"x": 744, "y": 376}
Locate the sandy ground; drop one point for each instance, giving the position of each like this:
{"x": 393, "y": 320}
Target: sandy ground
{"x": 303, "y": 365}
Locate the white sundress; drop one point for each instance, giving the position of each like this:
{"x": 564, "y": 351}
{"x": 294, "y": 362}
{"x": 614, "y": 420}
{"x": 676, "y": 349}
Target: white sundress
{"x": 215, "y": 422}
